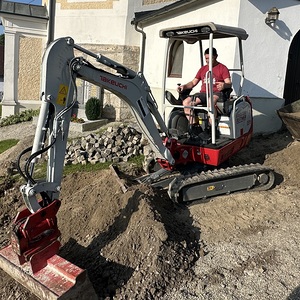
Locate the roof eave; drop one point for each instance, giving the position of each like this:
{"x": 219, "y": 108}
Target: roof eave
{"x": 23, "y": 10}
{"x": 144, "y": 17}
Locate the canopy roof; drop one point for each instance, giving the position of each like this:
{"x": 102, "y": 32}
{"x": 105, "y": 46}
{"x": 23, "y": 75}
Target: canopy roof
{"x": 194, "y": 33}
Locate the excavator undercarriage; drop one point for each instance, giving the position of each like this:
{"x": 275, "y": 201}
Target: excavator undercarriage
{"x": 190, "y": 186}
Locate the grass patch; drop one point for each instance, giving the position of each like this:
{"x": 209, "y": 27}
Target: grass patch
{"x": 6, "y": 144}
{"x": 85, "y": 168}
{"x": 41, "y": 168}
{"x": 138, "y": 160}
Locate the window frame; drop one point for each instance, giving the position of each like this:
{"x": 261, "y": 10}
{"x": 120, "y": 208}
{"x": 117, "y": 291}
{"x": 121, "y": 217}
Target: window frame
{"x": 176, "y": 55}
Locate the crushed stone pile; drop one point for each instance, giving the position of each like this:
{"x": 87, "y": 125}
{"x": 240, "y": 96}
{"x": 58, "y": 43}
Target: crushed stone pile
{"x": 116, "y": 144}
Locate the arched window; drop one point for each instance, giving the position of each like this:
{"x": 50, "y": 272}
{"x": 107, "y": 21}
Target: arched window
{"x": 176, "y": 59}
{"x": 292, "y": 87}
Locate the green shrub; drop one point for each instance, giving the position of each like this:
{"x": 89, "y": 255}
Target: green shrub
{"x": 93, "y": 109}
{"x": 24, "y": 116}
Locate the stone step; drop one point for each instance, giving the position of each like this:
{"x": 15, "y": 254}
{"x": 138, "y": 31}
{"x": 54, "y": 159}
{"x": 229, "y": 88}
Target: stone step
{"x": 82, "y": 127}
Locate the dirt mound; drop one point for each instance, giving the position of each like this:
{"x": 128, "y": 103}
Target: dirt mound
{"x": 135, "y": 244}
{"x": 140, "y": 245}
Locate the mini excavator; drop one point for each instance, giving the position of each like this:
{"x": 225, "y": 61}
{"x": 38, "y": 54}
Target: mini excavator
{"x": 190, "y": 164}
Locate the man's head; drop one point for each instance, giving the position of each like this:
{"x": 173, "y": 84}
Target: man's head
{"x": 214, "y": 55}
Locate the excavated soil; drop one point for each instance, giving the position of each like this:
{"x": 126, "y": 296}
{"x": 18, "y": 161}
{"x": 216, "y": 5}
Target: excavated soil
{"x": 140, "y": 245}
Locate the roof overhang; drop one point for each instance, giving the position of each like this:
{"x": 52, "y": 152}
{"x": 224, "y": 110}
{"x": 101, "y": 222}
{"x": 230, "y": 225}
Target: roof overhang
{"x": 144, "y": 18}
{"x": 24, "y": 10}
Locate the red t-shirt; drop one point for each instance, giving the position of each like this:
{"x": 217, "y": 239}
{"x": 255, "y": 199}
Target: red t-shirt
{"x": 220, "y": 73}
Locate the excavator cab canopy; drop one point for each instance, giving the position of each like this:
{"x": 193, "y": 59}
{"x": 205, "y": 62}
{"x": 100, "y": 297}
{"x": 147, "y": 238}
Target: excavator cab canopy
{"x": 193, "y": 33}
{"x": 199, "y": 33}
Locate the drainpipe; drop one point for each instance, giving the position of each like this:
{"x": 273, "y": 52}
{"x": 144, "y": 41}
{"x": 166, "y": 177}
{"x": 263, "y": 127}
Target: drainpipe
{"x": 142, "y": 60}
{"x": 51, "y": 23}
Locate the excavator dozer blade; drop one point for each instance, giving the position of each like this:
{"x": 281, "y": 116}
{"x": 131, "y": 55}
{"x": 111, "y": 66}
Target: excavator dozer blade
{"x": 59, "y": 279}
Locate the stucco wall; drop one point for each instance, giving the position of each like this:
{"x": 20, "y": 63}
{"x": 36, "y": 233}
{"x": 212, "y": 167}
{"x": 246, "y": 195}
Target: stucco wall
{"x": 265, "y": 52}
{"x": 96, "y": 22}
{"x": 30, "y": 59}
{"x": 266, "y": 49}
{"x": 114, "y": 108}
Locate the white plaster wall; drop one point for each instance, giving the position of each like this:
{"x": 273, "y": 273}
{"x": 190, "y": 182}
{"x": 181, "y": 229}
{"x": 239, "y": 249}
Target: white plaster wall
{"x": 98, "y": 26}
{"x": 265, "y": 52}
{"x": 266, "y": 49}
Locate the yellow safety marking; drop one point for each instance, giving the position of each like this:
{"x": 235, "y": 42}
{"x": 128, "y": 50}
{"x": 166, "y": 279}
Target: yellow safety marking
{"x": 210, "y": 188}
{"x": 62, "y": 95}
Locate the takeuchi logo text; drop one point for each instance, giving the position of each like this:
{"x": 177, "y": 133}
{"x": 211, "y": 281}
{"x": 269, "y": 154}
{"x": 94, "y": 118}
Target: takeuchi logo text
{"x": 113, "y": 82}
{"x": 190, "y": 31}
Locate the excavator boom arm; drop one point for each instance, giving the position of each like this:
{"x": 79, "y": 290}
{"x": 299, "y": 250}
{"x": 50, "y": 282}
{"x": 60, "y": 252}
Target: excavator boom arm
{"x": 60, "y": 71}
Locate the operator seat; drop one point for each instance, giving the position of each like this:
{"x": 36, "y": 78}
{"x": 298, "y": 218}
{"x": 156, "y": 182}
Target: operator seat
{"x": 177, "y": 118}
{"x": 223, "y": 104}
{"x": 170, "y": 97}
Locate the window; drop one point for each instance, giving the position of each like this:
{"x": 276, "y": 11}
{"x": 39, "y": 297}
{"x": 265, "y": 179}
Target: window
{"x": 176, "y": 59}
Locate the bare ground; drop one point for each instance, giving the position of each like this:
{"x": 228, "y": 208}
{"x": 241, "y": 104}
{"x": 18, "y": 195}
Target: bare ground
{"x": 140, "y": 245}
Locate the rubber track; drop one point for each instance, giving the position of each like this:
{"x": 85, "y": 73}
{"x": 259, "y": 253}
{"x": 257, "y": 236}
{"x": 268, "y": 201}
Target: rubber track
{"x": 218, "y": 175}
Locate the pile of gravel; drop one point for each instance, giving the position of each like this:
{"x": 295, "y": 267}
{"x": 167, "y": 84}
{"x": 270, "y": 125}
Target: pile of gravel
{"x": 116, "y": 144}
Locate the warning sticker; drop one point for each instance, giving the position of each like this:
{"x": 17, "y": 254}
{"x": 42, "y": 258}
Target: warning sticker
{"x": 62, "y": 95}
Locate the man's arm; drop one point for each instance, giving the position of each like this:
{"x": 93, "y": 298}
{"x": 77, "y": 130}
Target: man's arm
{"x": 224, "y": 85}
{"x": 188, "y": 85}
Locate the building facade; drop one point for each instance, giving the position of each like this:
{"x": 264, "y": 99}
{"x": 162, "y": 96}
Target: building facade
{"x": 268, "y": 51}
{"x": 99, "y": 26}
{"x": 109, "y": 27}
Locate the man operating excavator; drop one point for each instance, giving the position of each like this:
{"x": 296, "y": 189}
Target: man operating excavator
{"x": 221, "y": 82}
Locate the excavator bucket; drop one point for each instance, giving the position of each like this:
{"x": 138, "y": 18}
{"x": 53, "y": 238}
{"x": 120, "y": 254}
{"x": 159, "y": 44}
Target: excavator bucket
{"x": 32, "y": 260}
{"x": 59, "y": 279}
{"x": 290, "y": 115}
